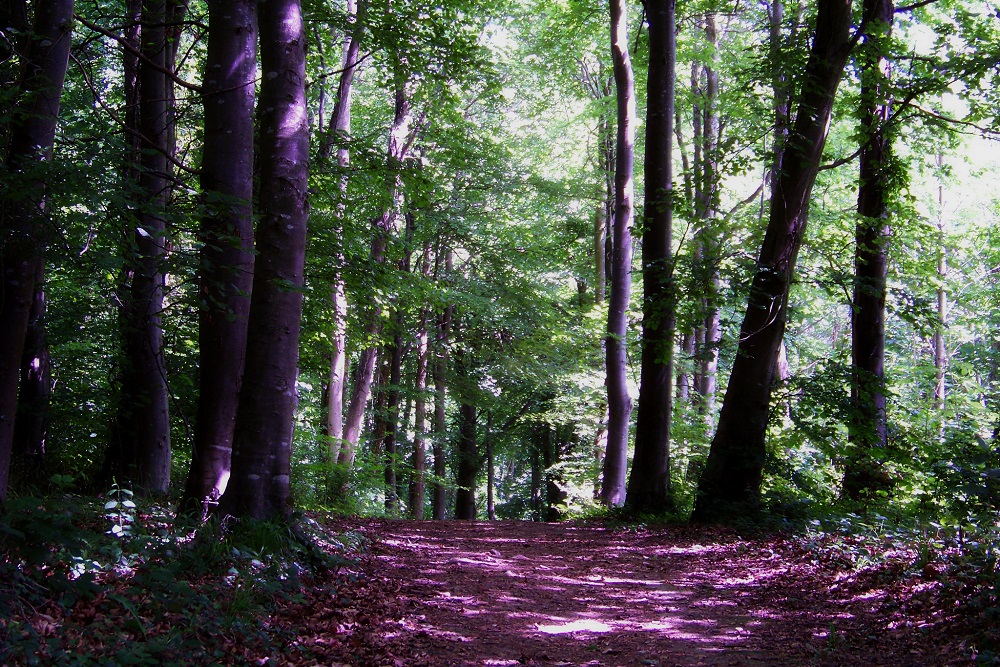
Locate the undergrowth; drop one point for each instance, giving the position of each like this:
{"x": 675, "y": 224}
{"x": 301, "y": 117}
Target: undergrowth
{"x": 116, "y": 583}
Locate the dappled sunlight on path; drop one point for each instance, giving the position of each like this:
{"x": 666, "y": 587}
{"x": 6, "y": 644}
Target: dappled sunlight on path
{"x": 561, "y": 594}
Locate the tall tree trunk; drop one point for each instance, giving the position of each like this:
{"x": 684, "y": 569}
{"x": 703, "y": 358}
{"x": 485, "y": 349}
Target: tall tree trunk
{"x": 22, "y": 217}
{"x": 468, "y": 462}
{"x": 707, "y": 236}
{"x": 417, "y": 482}
{"x": 226, "y": 259}
{"x": 141, "y": 453}
{"x": 491, "y": 478}
{"x": 862, "y": 475}
{"x": 619, "y": 402}
{"x": 339, "y": 137}
{"x": 399, "y": 145}
{"x": 395, "y": 355}
{"x": 259, "y": 486}
{"x": 442, "y": 342}
{"x": 32, "y": 423}
{"x": 940, "y": 352}
{"x": 649, "y": 484}
{"x": 730, "y": 484}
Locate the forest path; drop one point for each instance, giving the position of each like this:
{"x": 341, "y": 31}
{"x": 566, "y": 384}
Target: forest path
{"x": 520, "y": 593}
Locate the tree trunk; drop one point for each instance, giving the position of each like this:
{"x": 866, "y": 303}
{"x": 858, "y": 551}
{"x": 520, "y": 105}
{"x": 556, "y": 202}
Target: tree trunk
{"x": 32, "y": 423}
{"x": 22, "y": 217}
{"x": 339, "y": 136}
{"x": 141, "y": 453}
{"x": 417, "y": 483}
{"x": 619, "y": 402}
{"x": 226, "y": 259}
{"x": 863, "y": 475}
{"x": 468, "y": 462}
{"x": 649, "y": 485}
{"x": 730, "y": 484}
{"x": 707, "y": 236}
{"x": 439, "y": 495}
{"x": 259, "y": 486}
{"x": 940, "y": 352}
{"x": 491, "y": 509}
{"x": 399, "y": 144}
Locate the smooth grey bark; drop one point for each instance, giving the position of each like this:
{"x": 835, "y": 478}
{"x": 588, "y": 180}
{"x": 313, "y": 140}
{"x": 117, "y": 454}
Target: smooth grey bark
{"x": 400, "y": 138}
{"x": 619, "y": 402}
{"x": 22, "y": 203}
{"x": 226, "y": 235}
{"x": 730, "y": 484}
{"x": 709, "y": 334}
{"x": 649, "y": 484}
{"x": 338, "y": 137}
{"x": 262, "y": 446}
{"x": 863, "y": 475}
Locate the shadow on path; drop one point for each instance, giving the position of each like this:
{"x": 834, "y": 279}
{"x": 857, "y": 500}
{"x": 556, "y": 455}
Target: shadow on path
{"x": 519, "y": 593}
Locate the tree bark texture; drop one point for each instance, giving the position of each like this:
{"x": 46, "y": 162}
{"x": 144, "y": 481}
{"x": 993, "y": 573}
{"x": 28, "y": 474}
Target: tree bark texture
{"x": 730, "y": 484}
{"x": 649, "y": 483}
{"x": 619, "y": 402}
{"x": 22, "y": 225}
{"x": 32, "y": 423}
{"x": 259, "y": 486}
{"x": 226, "y": 258}
{"x": 862, "y": 475}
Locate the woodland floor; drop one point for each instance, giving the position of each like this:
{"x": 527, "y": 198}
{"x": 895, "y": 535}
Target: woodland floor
{"x": 520, "y": 593}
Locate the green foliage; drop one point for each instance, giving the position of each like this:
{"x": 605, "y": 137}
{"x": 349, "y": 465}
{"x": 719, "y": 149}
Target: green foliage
{"x": 153, "y": 594}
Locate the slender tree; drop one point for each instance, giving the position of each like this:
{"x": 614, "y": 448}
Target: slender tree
{"x": 262, "y": 446}
{"x": 338, "y": 137}
{"x": 419, "y": 462}
{"x": 707, "y": 235}
{"x": 440, "y": 372}
{"x": 649, "y": 483}
{"x": 862, "y": 475}
{"x": 226, "y": 259}
{"x": 22, "y": 200}
{"x": 141, "y": 451}
{"x": 619, "y": 402}
{"x": 730, "y": 484}
{"x": 400, "y": 139}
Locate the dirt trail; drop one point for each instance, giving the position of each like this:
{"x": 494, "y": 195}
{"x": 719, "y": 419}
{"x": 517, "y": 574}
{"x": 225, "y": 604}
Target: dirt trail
{"x": 561, "y": 594}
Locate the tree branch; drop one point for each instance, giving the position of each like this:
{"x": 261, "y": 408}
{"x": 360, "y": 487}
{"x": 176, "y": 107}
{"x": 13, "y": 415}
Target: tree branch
{"x": 134, "y": 51}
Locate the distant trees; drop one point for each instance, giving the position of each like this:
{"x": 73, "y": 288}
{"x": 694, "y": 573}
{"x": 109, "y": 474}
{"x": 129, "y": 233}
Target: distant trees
{"x": 454, "y": 332}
